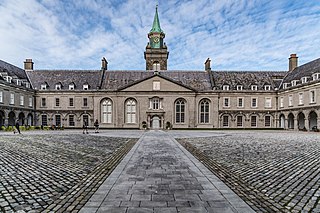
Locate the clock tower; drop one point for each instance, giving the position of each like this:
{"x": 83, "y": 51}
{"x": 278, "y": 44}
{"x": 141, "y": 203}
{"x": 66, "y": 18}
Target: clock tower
{"x": 156, "y": 53}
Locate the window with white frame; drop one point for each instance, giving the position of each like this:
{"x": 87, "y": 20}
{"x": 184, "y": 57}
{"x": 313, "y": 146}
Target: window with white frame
{"x": 240, "y": 102}
{"x": 254, "y": 87}
{"x": 71, "y": 86}
{"x": 71, "y": 102}
{"x": 11, "y": 98}
{"x": 43, "y": 86}
{"x": 106, "y": 106}
{"x": 239, "y": 121}
{"x": 253, "y": 120}
{"x": 180, "y": 107}
{"x": 267, "y": 121}
{"x": 290, "y": 103}
{"x": 21, "y": 100}
{"x": 254, "y": 102}
{"x": 226, "y": 102}
{"x": 30, "y": 101}
{"x": 225, "y": 121}
{"x": 312, "y": 96}
{"x": 57, "y": 104}
{"x": 156, "y": 66}
{"x": 315, "y": 76}
{"x": 225, "y": 87}
{"x": 294, "y": 82}
{"x": 1, "y": 97}
{"x": 239, "y": 87}
{"x": 8, "y": 78}
{"x": 267, "y": 87}
{"x": 267, "y": 102}
{"x": 19, "y": 82}
{"x": 58, "y": 86}
{"x": 204, "y": 111}
{"x": 85, "y": 86}
{"x": 285, "y": 85}
{"x": 304, "y": 80}
{"x": 300, "y": 98}
{"x": 156, "y": 85}
{"x": 27, "y": 84}
{"x": 131, "y": 106}
{"x": 281, "y": 101}
{"x": 155, "y": 103}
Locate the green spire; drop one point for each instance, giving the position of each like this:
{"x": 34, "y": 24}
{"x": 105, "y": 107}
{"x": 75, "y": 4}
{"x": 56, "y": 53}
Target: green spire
{"x": 156, "y": 23}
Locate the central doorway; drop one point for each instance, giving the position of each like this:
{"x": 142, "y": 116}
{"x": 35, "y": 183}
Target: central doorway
{"x": 155, "y": 122}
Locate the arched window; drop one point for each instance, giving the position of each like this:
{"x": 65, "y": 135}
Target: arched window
{"x": 106, "y": 110}
{"x": 156, "y": 66}
{"x": 180, "y": 107}
{"x": 131, "y": 106}
{"x": 204, "y": 110}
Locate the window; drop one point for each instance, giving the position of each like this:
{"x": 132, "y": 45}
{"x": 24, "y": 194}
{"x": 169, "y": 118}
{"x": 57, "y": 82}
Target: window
{"x": 21, "y": 100}
{"x": 58, "y": 120}
{"x": 304, "y": 80}
{"x": 226, "y": 102}
{"x": 204, "y": 111}
{"x": 253, "y": 120}
{"x": 239, "y": 87}
{"x": 30, "y": 101}
{"x": 155, "y": 103}
{"x": 300, "y": 98}
{"x": 85, "y": 119}
{"x": 106, "y": 111}
{"x": 71, "y": 120}
{"x": 71, "y": 86}
{"x": 254, "y": 87}
{"x": 43, "y": 102}
{"x": 19, "y": 82}
{"x": 240, "y": 102}
{"x": 85, "y": 102}
{"x": 11, "y": 98}
{"x": 239, "y": 121}
{"x": 281, "y": 101}
{"x": 131, "y": 111}
{"x": 43, "y": 87}
{"x": 267, "y": 87}
{"x": 315, "y": 76}
{"x": 71, "y": 102}
{"x": 290, "y": 100}
{"x": 1, "y": 96}
{"x": 156, "y": 66}
{"x": 254, "y": 102}
{"x": 44, "y": 120}
{"x": 225, "y": 121}
{"x": 180, "y": 111}
{"x": 156, "y": 85}
{"x": 268, "y": 103}
{"x": 225, "y": 87}
{"x": 312, "y": 96}
{"x": 8, "y": 78}
{"x": 85, "y": 87}
{"x": 27, "y": 84}
{"x": 294, "y": 82}
{"x": 267, "y": 121}
{"x": 57, "y": 102}
{"x": 58, "y": 86}
{"x": 285, "y": 85}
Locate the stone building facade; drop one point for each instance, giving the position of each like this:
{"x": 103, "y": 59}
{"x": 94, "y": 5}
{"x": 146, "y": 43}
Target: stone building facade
{"x": 158, "y": 98}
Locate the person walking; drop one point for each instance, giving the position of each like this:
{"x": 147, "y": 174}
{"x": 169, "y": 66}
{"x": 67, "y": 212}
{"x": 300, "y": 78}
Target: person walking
{"x": 17, "y": 125}
{"x": 85, "y": 127}
{"x": 96, "y": 126}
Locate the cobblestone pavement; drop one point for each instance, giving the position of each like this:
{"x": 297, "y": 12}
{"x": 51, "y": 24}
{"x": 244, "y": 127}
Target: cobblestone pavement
{"x": 283, "y": 166}
{"x": 37, "y": 169}
{"x": 159, "y": 175}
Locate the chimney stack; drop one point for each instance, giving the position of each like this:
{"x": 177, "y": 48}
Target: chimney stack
{"x": 293, "y": 62}
{"x": 28, "y": 64}
{"x": 104, "y": 64}
{"x": 207, "y": 65}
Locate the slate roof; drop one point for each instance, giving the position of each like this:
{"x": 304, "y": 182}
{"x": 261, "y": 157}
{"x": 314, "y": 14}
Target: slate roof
{"x": 65, "y": 77}
{"x": 197, "y": 80}
{"x": 247, "y": 78}
{"x": 305, "y": 70}
{"x": 12, "y": 70}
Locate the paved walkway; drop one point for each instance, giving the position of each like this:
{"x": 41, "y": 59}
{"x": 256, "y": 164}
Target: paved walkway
{"x": 159, "y": 175}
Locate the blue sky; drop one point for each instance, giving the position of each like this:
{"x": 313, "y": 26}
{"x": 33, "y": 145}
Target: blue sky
{"x": 235, "y": 34}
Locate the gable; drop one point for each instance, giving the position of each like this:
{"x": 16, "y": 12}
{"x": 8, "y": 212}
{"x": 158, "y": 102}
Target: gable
{"x": 157, "y": 83}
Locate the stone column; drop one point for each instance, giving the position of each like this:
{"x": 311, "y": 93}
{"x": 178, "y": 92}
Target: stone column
{"x": 285, "y": 126}
{"x": 306, "y": 124}
{"x": 295, "y": 124}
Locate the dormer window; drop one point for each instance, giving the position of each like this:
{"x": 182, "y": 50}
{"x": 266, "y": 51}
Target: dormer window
{"x": 27, "y": 84}
{"x": 19, "y": 82}
{"x": 8, "y": 78}
{"x": 294, "y": 82}
{"x": 254, "y": 87}
{"x": 86, "y": 87}
{"x": 304, "y": 80}
{"x": 267, "y": 87}
{"x": 43, "y": 86}
{"x": 58, "y": 86}
{"x": 225, "y": 87}
{"x": 239, "y": 87}
{"x": 285, "y": 85}
{"x": 315, "y": 76}
{"x": 71, "y": 86}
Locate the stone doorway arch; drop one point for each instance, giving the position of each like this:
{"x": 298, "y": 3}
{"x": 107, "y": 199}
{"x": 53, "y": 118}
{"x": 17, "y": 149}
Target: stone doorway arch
{"x": 290, "y": 121}
{"x": 313, "y": 118}
{"x": 155, "y": 122}
{"x": 2, "y": 118}
{"x": 30, "y": 120}
{"x": 11, "y": 118}
{"x": 21, "y": 118}
{"x": 282, "y": 121}
{"x": 301, "y": 121}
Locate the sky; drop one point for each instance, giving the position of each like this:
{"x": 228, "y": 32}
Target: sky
{"x": 234, "y": 34}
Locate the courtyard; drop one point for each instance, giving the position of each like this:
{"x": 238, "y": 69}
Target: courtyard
{"x": 60, "y": 171}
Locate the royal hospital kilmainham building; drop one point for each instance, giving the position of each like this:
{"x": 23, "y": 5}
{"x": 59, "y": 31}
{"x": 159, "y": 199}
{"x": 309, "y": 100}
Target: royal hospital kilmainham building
{"x": 157, "y": 98}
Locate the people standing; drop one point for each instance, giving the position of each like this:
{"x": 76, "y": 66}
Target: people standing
{"x": 85, "y": 127}
{"x": 96, "y": 126}
{"x": 17, "y": 127}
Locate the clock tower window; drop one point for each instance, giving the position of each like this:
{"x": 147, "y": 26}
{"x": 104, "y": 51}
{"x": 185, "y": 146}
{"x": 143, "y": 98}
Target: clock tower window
{"x": 156, "y": 66}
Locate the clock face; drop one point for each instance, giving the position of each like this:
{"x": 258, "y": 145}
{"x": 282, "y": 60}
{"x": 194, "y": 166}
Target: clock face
{"x": 155, "y": 39}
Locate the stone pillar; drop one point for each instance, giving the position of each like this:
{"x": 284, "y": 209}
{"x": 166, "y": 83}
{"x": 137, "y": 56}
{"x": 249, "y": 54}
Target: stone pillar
{"x": 318, "y": 123}
{"x": 306, "y": 124}
{"x": 285, "y": 126}
{"x": 295, "y": 124}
